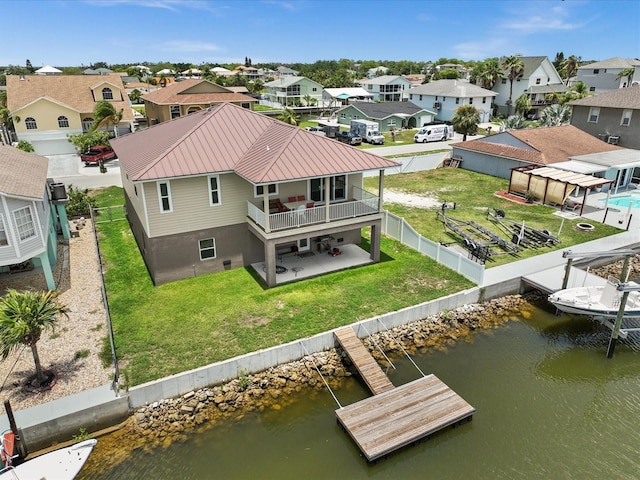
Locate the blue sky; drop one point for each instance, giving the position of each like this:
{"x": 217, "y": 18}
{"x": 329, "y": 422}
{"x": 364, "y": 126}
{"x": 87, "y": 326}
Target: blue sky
{"x": 81, "y": 32}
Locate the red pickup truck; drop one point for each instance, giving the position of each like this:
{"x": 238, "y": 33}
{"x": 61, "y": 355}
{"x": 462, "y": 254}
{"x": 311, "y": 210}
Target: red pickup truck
{"x": 97, "y": 153}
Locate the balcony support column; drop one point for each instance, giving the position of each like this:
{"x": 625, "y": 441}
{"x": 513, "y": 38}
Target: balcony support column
{"x": 380, "y": 189}
{"x": 374, "y": 253}
{"x": 270, "y": 262}
{"x": 265, "y": 208}
{"x": 327, "y": 199}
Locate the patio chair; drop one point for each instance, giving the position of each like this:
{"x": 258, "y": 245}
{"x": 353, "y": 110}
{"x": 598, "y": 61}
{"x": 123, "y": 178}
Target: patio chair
{"x": 572, "y": 205}
{"x": 310, "y": 205}
{"x": 291, "y": 199}
{"x": 301, "y": 198}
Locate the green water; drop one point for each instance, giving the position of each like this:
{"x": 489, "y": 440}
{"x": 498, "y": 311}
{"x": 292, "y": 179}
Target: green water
{"x": 549, "y": 405}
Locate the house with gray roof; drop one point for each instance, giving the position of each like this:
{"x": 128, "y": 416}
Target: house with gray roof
{"x": 32, "y": 211}
{"x": 292, "y": 90}
{"x": 230, "y": 188}
{"x": 603, "y": 76}
{"x": 538, "y": 72}
{"x": 345, "y": 95}
{"x": 389, "y": 115}
{"x": 386, "y": 88}
{"x": 445, "y": 96}
{"x": 613, "y": 116}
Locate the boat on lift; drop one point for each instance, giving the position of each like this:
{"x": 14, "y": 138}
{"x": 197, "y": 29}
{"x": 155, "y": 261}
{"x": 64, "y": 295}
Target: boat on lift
{"x": 599, "y": 301}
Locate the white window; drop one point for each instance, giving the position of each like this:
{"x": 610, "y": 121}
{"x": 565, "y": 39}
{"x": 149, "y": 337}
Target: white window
{"x": 164, "y": 196}
{"x": 343, "y": 115}
{"x": 594, "y": 113}
{"x": 86, "y": 124}
{"x": 484, "y": 99}
{"x": 207, "y": 248}
{"x": 538, "y": 81}
{"x": 63, "y": 122}
{"x": 420, "y": 97}
{"x": 107, "y": 93}
{"x": 246, "y": 105}
{"x": 592, "y": 89}
{"x": 175, "y": 111}
{"x": 4, "y": 240}
{"x": 214, "y": 190}
{"x": 626, "y": 118}
{"x": 391, "y": 122}
{"x": 471, "y": 101}
{"x": 31, "y": 123}
{"x": 457, "y": 101}
{"x": 337, "y": 188}
{"x": 272, "y": 188}
{"x": 24, "y": 222}
{"x": 503, "y": 81}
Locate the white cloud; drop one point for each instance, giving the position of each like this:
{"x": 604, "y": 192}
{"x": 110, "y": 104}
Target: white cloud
{"x": 539, "y": 17}
{"x": 185, "y": 46}
{"x": 478, "y": 50}
{"x": 173, "y": 5}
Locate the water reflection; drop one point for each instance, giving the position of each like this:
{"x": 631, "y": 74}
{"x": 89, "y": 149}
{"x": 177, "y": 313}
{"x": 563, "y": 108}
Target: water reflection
{"x": 549, "y": 405}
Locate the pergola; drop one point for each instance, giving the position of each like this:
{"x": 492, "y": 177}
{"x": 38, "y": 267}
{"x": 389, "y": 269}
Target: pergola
{"x": 551, "y": 185}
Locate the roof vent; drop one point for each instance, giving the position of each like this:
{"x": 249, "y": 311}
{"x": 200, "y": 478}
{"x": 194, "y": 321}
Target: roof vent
{"x": 268, "y": 148}
{"x": 21, "y": 77}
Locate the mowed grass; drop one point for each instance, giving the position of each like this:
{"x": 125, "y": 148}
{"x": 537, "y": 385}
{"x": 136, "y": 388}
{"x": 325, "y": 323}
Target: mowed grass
{"x": 474, "y": 195}
{"x": 193, "y": 322}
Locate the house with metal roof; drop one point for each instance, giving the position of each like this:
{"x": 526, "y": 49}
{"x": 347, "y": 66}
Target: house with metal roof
{"x": 343, "y": 96}
{"x": 188, "y": 96}
{"x": 47, "y": 108}
{"x": 389, "y": 115}
{"x": 386, "y": 88}
{"x": 538, "y": 72}
{"x": 32, "y": 211}
{"x": 603, "y": 76}
{"x": 613, "y": 116}
{"x": 445, "y": 96}
{"x": 230, "y": 188}
{"x": 291, "y": 91}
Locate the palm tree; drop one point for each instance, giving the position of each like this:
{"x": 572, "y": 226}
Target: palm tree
{"x": 523, "y": 104}
{"x": 555, "y": 115}
{"x": 24, "y": 316}
{"x": 487, "y": 73}
{"x": 570, "y": 67}
{"x": 466, "y": 120}
{"x": 514, "y": 122}
{"x": 514, "y": 66}
{"x": 105, "y": 114}
{"x": 628, "y": 73}
{"x": 288, "y": 116}
{"x": 309, "y": 100}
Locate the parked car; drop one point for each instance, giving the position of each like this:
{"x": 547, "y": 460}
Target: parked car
{"x": 97, "y": 153}
{"x": 349, "y": 137}
{"x": 316, "y": 130}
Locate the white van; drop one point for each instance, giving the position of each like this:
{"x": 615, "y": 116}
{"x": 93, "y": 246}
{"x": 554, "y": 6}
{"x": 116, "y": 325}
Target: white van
{"x": 432, "y": 133}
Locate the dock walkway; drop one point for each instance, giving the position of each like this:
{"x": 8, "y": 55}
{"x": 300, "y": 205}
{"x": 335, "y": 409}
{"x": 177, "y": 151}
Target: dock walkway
{"x": 395, "y": 416}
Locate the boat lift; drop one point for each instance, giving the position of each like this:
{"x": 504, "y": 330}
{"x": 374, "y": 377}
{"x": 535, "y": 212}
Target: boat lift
{"x": 625, "y": 287}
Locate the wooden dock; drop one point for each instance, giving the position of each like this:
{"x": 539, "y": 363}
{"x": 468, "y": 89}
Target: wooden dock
{"x": 395, "y": 416}
{"x": 366, "y": 365}
{"x": 391, "y": 420}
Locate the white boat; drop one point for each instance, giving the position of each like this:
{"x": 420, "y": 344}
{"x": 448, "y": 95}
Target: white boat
{"x": 62, "y": 464}
{"x": 601, "y": 301}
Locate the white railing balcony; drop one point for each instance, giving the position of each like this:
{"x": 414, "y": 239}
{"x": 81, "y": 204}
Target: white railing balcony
{"x": 315, "y": 215}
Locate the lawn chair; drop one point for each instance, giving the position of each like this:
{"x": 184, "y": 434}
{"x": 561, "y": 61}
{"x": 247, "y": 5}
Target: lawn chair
{"x": 572, "y": 205}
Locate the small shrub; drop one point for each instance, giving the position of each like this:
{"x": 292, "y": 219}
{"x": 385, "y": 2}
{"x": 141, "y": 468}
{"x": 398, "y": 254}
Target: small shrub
{"x": 80, "y": 202}
{"x": 81, "y": 436}
{"x": 243, "y": 380}
{"x": 25, "y": 146}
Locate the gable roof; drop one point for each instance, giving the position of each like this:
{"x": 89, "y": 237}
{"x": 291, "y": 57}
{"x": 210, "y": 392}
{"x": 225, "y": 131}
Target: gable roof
{"x": 530, "y": 65}
{"x": 72, "y": 90}
{"x": 383, "y": 79}
{"x": 288, "y": 80}
{"x": 47, "y": 69}
{"x": 381, "y": 110}
{"x": 178, "y": 94}
{"x": 547, "y": 144}
{"x": 615, "y": 62}
{"x": 452, "y": 88}
{"x": 628, "y": 97}
{"x": 347, "y": 92}
{"x": 24, "y": 174}
{"x": 227, "y": 138}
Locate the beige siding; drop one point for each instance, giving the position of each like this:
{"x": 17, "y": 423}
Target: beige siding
{"x": 118, "y": 94}
{"x": 205, "y": 87}
{"x": 46, "y": 114}
{"x": 136, "y": 201}
{"x": 191, "y": 208}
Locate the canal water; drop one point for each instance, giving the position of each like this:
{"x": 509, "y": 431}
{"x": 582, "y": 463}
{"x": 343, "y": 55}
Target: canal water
{"x": 549, "y": 405}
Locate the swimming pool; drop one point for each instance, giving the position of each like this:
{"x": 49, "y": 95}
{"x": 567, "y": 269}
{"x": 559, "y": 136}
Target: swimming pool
{"x": 624, "y": 201}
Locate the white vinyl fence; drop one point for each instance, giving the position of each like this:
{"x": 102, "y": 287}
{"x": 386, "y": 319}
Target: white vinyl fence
{"x": 397, "y": 228}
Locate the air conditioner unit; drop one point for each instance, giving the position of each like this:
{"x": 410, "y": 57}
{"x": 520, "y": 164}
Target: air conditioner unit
{"x": 603, "y": 136}
{"x": 437, "y": 105}
{"x": 613, "y": 140}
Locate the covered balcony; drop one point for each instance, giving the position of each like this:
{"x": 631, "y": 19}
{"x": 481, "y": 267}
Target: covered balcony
{"x": 360, "y": 204}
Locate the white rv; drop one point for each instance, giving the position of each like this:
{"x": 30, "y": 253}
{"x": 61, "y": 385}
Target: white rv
{"x": 433, "y": 133}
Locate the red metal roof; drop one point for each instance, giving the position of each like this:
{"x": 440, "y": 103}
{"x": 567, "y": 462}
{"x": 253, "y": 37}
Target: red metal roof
{"x": 227, "y": 138}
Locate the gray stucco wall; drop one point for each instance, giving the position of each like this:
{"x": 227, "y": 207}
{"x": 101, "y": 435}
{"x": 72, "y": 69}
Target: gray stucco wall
{"x": 609, "y": 123}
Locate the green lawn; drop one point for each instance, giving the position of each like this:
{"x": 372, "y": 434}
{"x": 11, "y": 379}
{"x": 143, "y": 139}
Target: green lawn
{"x": 474, "y": 195}
{"x": 189, "y": 323}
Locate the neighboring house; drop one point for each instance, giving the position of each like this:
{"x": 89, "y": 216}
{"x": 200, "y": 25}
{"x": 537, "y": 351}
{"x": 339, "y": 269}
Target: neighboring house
{"x": 142, "y": 87}
{"x": 286, "y": 72}
{"x": 221, "y": 71}
{"x": 97, "y": 71}
{"x": 48, "y": 70}
{"x": 167, "y": 71}
{"x": 387, "y": 88}
{"x": 497, "y": 154}
{"x": 415, "y": 79}
{"x": 377, "y": 71}
{"x": 603, "y": 76}
{"x": 191, "y": 73}
{"x": 461, "y": 69}
{"x": 389, "y": 115}
{"x": 182, "y": 98}
{"x": 445, "y": 96}
{"x": 291, "y": 91}
{"x": 31, "y": 213}
{"x": 201, "y": 192}
{"x": 538, "y": 72}
{"x": 343, "y": 96}
{"x": 50, "y": 107}
{"x": 250, "y": 73}
{"x": 613, "y": 117}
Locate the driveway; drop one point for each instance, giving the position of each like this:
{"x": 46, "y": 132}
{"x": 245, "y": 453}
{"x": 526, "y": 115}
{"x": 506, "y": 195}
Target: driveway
{"x": 68, "y": 169}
